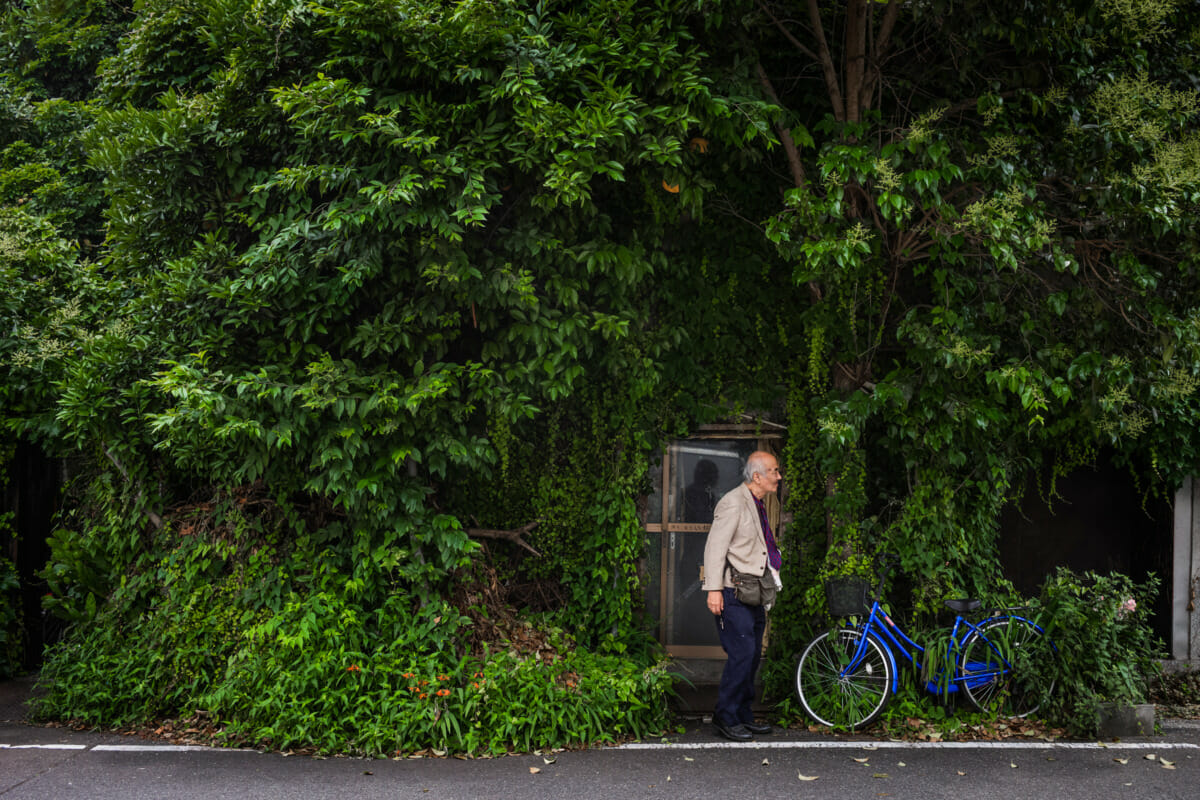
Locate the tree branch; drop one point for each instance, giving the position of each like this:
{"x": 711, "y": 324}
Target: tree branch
{"x": 515, "y": 535}
{"x": 883, "y": 43}
{"x": 153, "y": 517}
{"x": 785, "y": 134}
{"x": 826, "y": 60}
{"x": 856, "y": 58}
{"x": 791, "y": 37}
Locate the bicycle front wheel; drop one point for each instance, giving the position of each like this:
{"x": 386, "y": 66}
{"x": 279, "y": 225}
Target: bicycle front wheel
{"x": 991, "y": 666}
{"x": 839, "y": 690}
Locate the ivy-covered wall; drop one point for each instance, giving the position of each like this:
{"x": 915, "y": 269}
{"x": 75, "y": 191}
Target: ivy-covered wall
{"x": 322, "y": 295}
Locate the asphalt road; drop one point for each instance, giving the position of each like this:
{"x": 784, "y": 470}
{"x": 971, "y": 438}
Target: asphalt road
{"x": 53, "y": 764}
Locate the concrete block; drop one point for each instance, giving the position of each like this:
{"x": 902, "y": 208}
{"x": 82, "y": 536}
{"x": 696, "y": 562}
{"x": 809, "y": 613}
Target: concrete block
{"x": 1119, "y": 720}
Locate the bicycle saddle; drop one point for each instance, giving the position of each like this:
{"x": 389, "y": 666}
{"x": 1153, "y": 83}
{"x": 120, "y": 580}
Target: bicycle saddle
{"x": 963, "y": 606}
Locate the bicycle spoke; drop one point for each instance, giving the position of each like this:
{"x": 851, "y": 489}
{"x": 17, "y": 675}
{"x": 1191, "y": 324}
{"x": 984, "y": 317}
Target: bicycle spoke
{"x": 989, "y": 660}
{"x": 837, "y": 692}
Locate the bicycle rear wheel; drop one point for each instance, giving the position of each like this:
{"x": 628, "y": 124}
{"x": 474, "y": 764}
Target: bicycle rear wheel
{"x": 838, "y": 690}
{"x": 991, "y": 666}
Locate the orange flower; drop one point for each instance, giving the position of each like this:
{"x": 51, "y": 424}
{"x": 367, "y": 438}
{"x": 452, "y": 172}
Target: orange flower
{"x": 423, "y": 696}
{"x": 353, "y": 668}
{"x": 443, "y": 677}
{"x": 475, "y": 684}
{"x": 443, "y": 692}
{"x": 409, "y": 675}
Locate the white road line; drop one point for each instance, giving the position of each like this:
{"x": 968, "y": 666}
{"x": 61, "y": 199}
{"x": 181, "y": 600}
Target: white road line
{"x": 43, "y": 747}
{"x": 835, "y": 745}
{"x": 166, "y": 748}
{"x": 128, "y": 748}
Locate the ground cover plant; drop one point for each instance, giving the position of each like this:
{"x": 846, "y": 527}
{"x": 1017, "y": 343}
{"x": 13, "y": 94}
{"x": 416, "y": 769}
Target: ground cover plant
{"x": 240, "y": 635}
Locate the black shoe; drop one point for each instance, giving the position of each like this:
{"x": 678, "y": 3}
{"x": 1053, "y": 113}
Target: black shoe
{"x": 758, "y": 728}
{"x": 734, "y": 733}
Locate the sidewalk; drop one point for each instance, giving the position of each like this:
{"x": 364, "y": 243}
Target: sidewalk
{"x": 14, "y": 694}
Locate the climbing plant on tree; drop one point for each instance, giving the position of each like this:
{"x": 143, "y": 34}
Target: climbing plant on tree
{"x": 355, "y": 243}
{"x": 376, "y": 273}
{"x": 988, "y": 211}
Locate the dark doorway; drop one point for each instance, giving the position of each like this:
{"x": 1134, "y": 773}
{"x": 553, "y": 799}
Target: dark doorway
{"x": 1099, "y": 521}
{"x": 32, "y": 495}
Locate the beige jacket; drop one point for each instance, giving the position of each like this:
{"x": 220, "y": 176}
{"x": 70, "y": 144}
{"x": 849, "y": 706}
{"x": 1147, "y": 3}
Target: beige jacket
{"x": 736, "y": 534}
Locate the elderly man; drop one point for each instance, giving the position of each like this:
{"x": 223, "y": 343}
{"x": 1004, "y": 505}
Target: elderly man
{"x": 741, "y": 538}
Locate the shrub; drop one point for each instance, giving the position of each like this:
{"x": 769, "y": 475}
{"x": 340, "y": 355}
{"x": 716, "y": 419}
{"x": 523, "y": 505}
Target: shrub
{"x": 1103, "y": 647}
{"x": 389, "y": 700}
{"x": 10, "y": 619}
{"x": 307, "y": 646}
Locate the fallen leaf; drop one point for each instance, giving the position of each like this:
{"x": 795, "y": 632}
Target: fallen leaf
{"x": 880, "y": 775}
{"x": 534, "y": 770}
{"x": 688, "y": 758}
{"x": 1151, "y": 757}
{"x": 901, "y": 764}
{"x": 960, "y": 772}
{"x": 1013, "y": 765}
{"x": 1121, "y": 760}
{"x": 862, "y": 760}
{"x": 870, "y": 747}
{"x": 1166, "y": 764}
{"x": 804, "y": 777}
{"x": 548, "y": 760}
{"x": 766, "y": 763}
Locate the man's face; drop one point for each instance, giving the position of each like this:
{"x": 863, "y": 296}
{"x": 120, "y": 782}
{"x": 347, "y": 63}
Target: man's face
{"x": 768, "y": 477}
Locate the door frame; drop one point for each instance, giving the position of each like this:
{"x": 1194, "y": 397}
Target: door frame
{"x": 764, "y": 440}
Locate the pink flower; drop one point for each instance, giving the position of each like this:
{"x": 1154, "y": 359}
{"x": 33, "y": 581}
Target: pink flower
{"x": 1127, "y": 608}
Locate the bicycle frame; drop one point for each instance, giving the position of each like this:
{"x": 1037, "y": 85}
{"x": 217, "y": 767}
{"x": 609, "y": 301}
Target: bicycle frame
{"x": 885, "y": 630}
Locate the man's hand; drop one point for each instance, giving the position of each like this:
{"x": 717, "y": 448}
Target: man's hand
{"x": 716, "y": 602}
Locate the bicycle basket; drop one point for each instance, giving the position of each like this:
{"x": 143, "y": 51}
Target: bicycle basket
{"x": 847, "y": 596}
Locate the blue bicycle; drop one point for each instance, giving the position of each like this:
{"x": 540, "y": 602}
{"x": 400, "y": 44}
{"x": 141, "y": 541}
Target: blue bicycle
{"x": 846, "y": 676}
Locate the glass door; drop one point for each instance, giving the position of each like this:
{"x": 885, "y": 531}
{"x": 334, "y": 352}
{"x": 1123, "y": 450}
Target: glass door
{"x": 695, "y": 473}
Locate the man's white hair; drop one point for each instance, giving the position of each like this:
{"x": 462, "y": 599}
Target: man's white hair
{"x": 757, "y": 462}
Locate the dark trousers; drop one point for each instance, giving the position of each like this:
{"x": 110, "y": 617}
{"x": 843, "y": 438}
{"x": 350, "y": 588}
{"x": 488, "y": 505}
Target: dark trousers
{"x": 741, "y": 630}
